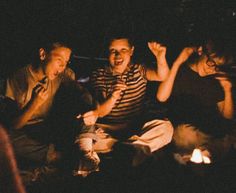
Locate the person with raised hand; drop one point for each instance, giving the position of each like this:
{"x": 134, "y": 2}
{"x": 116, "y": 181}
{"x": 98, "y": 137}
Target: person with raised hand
{"x": 120, "y": 90}
{"x": 199, "y": 95}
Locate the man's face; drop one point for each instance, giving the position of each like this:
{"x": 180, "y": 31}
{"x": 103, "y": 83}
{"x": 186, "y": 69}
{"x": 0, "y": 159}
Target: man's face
{"x": 210, "y": 65}
{"x": 120, "y": 54}
{"x": 56, "y": 62}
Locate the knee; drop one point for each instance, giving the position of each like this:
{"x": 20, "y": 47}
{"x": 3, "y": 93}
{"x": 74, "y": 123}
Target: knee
{"x": 168, "y": 131}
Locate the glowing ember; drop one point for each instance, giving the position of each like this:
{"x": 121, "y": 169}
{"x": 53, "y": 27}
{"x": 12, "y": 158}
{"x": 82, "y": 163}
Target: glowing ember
{"x": 196, "y": 156}
{"x": 206, "y": 160}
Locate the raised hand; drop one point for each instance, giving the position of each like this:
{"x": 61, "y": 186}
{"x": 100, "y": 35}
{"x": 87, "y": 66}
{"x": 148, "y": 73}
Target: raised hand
{"x": 158, "y": 50}
{"x": 39, "y": 94}
{"x": 185, "y": 54}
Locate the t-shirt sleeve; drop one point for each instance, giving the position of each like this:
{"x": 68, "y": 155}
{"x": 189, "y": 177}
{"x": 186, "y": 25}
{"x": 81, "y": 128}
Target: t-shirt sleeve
{"x": 143, "y": 71}
{"x": 16, "y": 86}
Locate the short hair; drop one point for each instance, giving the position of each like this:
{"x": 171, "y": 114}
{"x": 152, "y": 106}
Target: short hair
{"x": 121, "y": 36}
{"x": 217, "y": 48}
{"x": 50, "y": 46}
{"x": 220, "y": 48}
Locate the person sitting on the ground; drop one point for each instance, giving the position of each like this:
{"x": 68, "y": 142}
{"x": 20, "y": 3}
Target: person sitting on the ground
{"x": 33, "y": 88}
{"x": 199, "y": 95}
{"x": 120, "y": 90}
{"x": 10, "y": 180}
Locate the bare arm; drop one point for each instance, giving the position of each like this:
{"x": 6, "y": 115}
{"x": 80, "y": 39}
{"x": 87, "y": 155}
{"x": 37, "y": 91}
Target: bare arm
{"x": 39, "y": 96}
{"x": 226, "y": 107}
{"x": 162, "y": 70}
{"x": 104, "y": 108}
{"x": 165, "y": 88}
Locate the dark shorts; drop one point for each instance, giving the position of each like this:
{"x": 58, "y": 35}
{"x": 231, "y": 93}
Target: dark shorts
{"x": 29, "y": 145}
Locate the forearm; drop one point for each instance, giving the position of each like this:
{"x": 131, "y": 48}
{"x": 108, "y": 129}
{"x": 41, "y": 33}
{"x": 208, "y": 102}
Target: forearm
{"x": 106, "y": 107}
{"x": 162, "y": 69}
{"x": 160, "y": 73}
{"x": 165, "y": 88}
{"x": 25, "y": 115}
{"x": 228, "y": 106}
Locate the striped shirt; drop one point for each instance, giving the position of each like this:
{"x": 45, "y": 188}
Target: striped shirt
{"x": 130, "y": 105}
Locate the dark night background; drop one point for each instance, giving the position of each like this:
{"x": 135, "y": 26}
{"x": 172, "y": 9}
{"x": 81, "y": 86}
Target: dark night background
{"x": 87, "y": 24}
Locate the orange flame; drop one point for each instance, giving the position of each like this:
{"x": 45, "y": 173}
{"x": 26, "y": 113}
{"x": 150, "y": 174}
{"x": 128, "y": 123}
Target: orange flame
{"x": 198, "y": 157}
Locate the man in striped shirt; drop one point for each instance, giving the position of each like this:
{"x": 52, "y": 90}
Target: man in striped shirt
{"x": 120, "y": 90}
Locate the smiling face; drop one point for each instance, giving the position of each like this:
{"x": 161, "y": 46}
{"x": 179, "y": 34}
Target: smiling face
{"x": 208, "y": 65}
{"x": 55, "y": 61}
{"x": 120, "y": 52}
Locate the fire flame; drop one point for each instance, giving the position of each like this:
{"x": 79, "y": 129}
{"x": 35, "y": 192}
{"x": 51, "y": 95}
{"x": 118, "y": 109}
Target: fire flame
{"x": 198, "y": 157}
{"x": 206, "y": 159}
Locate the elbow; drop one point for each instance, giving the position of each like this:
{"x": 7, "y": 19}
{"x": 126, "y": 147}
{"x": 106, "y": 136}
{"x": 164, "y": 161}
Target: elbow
{"x": 164, "y": 74}
{"x": 229, "y": 116}
{"x": 162, "y": 77}
{"x": 227, "y": 113}
{"x": 161, "y": 98}
{"x": 16, "y": 124}
{"x": 101, "y": 113}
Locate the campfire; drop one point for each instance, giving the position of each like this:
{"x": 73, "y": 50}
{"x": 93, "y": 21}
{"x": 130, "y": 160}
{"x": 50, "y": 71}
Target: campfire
{"x": 199, "y": 156}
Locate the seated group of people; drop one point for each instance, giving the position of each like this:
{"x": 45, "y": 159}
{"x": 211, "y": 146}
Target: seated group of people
{"x": 55, "y": 113}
